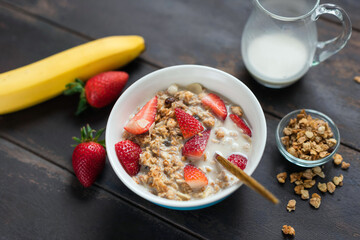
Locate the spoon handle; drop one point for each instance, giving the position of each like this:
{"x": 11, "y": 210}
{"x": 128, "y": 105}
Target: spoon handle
{"x": 249, "y": 181}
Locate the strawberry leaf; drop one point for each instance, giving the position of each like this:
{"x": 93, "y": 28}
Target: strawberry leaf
{"x": 87, "y": 135}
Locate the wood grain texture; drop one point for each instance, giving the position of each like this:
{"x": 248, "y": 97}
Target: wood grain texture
{"x": 42, "y": 201}
{"x": 237, "y": 216}
{"x": 209, "y": 33}
{"x": 47, "y": 129}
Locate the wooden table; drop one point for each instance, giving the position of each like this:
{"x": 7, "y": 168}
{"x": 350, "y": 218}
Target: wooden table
{"x": 40, "y": 195}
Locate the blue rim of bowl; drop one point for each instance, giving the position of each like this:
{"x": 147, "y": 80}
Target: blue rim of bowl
{"x": 298, "y": 161}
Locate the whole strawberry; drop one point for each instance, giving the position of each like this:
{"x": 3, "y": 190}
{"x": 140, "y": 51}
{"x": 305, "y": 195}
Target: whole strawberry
{"x": 89, "y": 155}
{"x": 99, "y": 91}
{"x": 128, "y": 154}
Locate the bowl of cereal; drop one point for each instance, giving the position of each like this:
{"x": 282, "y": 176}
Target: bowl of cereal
{"x": 307, "y": 138}
{"x": 163, "y": 131}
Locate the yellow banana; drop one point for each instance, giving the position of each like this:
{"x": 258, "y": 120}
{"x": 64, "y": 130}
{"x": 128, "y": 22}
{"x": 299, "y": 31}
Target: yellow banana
{"x": 34, "y": 83}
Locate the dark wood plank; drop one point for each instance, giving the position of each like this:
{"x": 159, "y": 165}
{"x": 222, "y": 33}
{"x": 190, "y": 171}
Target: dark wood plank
{"x": 42, "y": 201}
{"x": 209, "y": 33}
{"x": 237, "y": 216}
{"x": 352, "y": 7}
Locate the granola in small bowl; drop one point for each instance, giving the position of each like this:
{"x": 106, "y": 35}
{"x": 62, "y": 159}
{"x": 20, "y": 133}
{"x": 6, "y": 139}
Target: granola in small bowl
{"x": 307, "y": 138}
{"x": 175, "y": 135}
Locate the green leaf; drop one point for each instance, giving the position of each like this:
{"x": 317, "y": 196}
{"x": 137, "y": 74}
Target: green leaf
{"x": 102, "y": 143}
{"x": 83, "y": 134}
{"x": 76, "y": 139}
{"x": 98, "y": 134}
{"x": 87, "y": 135}
{"x": 74, "y": 87}
{"x": 82, "y": 104}
{"x": 89, "y": 132}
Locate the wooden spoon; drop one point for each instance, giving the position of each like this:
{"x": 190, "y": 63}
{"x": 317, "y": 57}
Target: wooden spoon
{"x": 249, "y": 181}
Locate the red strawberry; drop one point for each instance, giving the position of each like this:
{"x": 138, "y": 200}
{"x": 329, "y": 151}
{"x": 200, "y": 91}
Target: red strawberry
{"x": 88, "y": 158}
{"x": 189, "y": 125}
{"x": 195, "y": 146}
{"x": 143, "y": 120}
{"x": 194, "y": 177}
{"x": 241, "y": 124}
{"x": 238, "y": 160}
{"x": 99, "y": 91}
{"x": 128, "y": 154}
{"x": 216, "y": 104}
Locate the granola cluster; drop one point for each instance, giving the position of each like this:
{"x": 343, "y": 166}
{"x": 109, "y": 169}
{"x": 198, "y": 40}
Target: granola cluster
{"x": 308, "y": 138}
{"x": 338, "y": 159}
{"x": 288, "y": 230}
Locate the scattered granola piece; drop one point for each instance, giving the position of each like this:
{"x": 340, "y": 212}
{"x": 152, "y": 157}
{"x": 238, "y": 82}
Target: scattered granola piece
{"x": 309, "y": 183}
{"x": 357, "y": 79}
{"x": 299, "y": 182}
{"x": 291, "y": 205}
{"x": 338, "y": 180}
{"x": 288, "y": 230}
{"x": 295, "y": 176}
{"x": 316, "y": 170}
{"x": 315, "y": 201}
{"x": 321, "y": 174}
{"x": 331, "y": 187}
{"x": 322, "y": 187}
{"x": 304, "y": 194}
{"x": 281, "y": 177}
{"x": 345, "y": 165}
{"x": 315, "y": 195}
{"x": 308, "y": 174}
{"x": 337, "y": 159}
{"x": 298, "y": 189}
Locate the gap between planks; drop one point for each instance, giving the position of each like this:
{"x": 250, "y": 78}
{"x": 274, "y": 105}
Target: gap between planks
{"x": 100, "y": 187}
{"x": 140, "y": 59}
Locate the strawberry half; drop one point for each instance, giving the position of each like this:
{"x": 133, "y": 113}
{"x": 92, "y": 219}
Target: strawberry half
{"x": 194, "y": 177}
{"x": 195, "y": 146}
{"x": 241, "y": 124}
{"x": 238, "y": 160}
{"x": 216, "y": 104}
{"x": 128, "y": 154}
{"x": 99, "y": 91}
{"x": 143, "y": 120}
{"x": 189, "y": 125}
{"x": 89, "y": 155}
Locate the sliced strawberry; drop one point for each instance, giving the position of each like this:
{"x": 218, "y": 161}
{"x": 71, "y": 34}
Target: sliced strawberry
{"x": 241, "y": 124}
{"x": 195, "y": 146}
{"x": 216, "y": 104}
{"x": 238, "y": 160}
{"x": 128, "y": 154}
{"x": 189, "y": 125}
{"x": 143, "y": 120}
{"x": 194, "y": 177}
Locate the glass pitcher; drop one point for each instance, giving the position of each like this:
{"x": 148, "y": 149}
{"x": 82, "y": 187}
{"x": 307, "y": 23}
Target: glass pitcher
{"x": 279, "y": 42}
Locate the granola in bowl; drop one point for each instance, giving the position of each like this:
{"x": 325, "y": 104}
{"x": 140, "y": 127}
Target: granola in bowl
{"x": 145, "y": 89}
{"x": 307, "y": 138}
{"x": 176, "y": 134}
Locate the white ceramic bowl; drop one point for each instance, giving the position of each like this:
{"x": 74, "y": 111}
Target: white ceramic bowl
{"x": 145, "y": 88}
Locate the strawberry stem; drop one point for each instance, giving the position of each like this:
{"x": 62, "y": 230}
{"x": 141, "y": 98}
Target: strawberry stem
{"x": 77, "y": 87}
{"x": 87, "y": 136}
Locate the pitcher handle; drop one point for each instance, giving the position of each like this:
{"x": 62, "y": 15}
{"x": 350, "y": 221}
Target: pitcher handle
{"x": 328, "y": 48}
